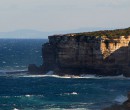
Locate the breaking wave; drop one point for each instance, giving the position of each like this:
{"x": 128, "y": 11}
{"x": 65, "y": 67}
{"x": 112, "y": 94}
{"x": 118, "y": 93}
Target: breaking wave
{"x": 78, "y": 77}
{"x": 120, "y": 99}
{"x": 24, "y": 73}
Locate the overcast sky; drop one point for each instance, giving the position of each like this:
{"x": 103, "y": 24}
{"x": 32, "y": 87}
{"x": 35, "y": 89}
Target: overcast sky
{"x": 54, "y": 15}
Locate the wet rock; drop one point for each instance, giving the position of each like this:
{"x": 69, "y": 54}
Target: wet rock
{"x": 115, "y": 107}
{"x": 32, "y": 68}
{"x": 124, "y": 106}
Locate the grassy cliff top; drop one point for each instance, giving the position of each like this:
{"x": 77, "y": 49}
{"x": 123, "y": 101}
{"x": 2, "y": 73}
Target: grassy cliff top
{"x": 109, "y": 33}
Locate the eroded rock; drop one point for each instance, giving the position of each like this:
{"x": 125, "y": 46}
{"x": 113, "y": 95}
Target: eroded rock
{"x": 65, "y": 54}
{"x": 104, "y": 53}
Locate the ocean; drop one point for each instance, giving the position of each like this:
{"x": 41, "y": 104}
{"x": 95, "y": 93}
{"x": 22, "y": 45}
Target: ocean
{"x": 16, "y": 54}
{"x": 51, "y": 92}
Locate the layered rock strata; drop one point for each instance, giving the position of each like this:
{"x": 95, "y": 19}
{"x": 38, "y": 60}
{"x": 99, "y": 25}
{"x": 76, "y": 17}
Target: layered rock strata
{"x": 76, "y": 54}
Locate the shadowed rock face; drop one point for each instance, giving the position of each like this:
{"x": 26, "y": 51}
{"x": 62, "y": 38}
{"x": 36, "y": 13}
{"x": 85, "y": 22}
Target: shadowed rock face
{"x": 101, "y": 55}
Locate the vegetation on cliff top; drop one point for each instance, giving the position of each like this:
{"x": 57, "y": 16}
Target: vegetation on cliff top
{"x": 108, "y": 33}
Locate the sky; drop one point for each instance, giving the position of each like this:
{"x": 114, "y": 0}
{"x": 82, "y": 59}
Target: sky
{"x": 56, "y": 15}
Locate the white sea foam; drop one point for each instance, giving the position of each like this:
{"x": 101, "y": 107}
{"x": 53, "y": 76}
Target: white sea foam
{"x": 73, "y": 93}
{"x": 120, "y": 99}
{"x": 50, "y": 74}
{"x": 88, "y": 76}
{"x": 68, "y": 109}
{"x": 77, "y": 77}
{"x": 55, "y": 76}
{"x": 27, "y": 95}
{"x": 116, "y": 77}
{"x": 15, "y": 109}
{"x": 33, "y": 95}
{"x": 58, "y": 109}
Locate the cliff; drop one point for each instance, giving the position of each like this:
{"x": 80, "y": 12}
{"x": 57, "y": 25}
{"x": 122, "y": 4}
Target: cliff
{"x": 100, "y": 53}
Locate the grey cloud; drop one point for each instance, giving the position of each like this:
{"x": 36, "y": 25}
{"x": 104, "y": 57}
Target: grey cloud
{"x": 62, "y": 14}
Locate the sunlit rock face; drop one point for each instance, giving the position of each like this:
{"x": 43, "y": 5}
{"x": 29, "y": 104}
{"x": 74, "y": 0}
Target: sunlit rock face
{"x": 100, "y": 55}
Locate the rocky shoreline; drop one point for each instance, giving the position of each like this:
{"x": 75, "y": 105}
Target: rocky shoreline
{"x": 103, "y": 53}
{"x": 124, "y": 106}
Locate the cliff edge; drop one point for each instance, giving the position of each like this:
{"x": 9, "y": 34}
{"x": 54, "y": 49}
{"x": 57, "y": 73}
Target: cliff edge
{"x": 102, "y": 53}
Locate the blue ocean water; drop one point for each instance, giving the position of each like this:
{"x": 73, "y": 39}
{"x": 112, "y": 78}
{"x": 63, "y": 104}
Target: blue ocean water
{"x": 27, "y": 92}
{"x": 18, "y": 53}
{"x": 41, "y": 92}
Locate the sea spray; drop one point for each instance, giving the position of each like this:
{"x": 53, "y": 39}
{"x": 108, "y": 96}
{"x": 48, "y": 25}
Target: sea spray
{"x": 120, "y": 99}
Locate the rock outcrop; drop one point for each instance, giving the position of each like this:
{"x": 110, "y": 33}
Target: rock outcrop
{"x": 124, "y": 106}
{"x": 97, "y": 53}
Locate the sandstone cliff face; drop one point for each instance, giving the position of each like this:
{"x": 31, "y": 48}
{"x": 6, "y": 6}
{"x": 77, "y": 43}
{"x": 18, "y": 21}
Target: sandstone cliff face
{"x": 101, "y": 55}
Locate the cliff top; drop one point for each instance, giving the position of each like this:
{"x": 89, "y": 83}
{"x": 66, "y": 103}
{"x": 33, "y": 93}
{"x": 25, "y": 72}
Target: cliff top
{"x": 109, "y": 33}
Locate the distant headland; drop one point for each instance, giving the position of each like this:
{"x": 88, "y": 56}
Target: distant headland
{"x": 102, "y": 53}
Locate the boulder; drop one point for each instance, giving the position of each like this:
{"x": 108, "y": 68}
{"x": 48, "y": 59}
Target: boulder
{"x": 126, "y": 104}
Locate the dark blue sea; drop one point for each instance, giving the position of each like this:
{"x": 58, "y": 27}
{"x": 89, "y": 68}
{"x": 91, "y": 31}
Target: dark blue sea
{"x": 20, "y": 91}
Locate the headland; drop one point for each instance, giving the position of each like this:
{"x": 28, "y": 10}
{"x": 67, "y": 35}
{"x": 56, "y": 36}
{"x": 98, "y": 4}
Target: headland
{"x": 102, "y": 53}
